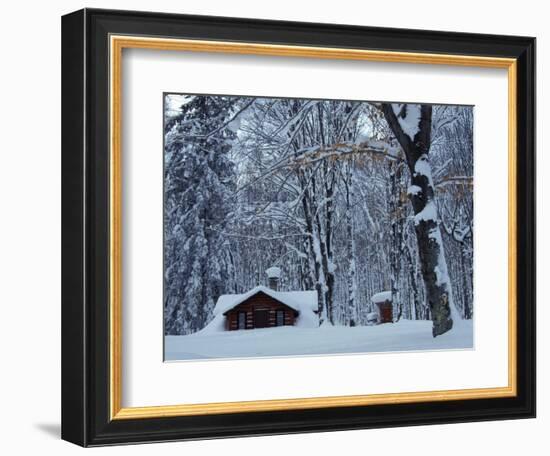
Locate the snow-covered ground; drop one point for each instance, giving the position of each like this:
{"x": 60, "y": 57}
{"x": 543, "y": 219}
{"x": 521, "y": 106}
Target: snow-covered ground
{"x": 290, "y": 341}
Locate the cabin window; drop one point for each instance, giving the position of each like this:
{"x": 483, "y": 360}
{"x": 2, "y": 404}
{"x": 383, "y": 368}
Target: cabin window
{"x": 241, "y": 320}
{"x": 280, "y": 318}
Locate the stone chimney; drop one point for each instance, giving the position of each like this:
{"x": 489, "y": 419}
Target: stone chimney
{"x": 273, "y": 276}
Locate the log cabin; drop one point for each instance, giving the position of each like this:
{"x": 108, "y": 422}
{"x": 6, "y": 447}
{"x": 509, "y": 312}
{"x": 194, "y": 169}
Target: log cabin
{"x": 266, "y": 307}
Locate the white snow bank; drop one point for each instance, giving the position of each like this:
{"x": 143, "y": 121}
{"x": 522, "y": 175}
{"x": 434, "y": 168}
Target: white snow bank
{"x": 405, "y": 335}
{"x": 372, "y": 317}
{"x": 215, "y": 326}
{"x": 383, "y": 296}
{"x": 308, "y": 318}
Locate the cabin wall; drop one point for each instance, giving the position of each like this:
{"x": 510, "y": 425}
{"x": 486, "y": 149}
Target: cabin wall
{"x": 259, "y": 302}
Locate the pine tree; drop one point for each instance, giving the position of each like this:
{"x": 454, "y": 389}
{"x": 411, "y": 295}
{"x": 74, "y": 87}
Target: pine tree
{"x": 198, "y": 181}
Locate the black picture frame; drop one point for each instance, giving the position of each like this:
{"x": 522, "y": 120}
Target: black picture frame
{"x": 86, "y": 417}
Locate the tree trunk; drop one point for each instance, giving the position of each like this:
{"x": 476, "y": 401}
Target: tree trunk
{"x": 418, "y": 311}
{"x": 411, "y": 125}
{"x": 396, "y": 230}
{"x": 467, "y": 307}
{"x": 326, "y": 247}
{"x": 314, "y": 253}
{"x": 350, "y": 247}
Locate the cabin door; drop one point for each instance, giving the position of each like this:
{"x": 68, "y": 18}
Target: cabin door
{"x": 261, "y": 318}
{"x": 387, "y": 314}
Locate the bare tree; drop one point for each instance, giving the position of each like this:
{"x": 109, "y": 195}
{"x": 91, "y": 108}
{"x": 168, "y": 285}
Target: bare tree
{"x": 412, "y": 125}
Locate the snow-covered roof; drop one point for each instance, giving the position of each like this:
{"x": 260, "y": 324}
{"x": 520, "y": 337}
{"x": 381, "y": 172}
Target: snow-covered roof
{"x": 297, "y": 300}
{"x": 383, "y": 296}
{"x": 273, "y": 272}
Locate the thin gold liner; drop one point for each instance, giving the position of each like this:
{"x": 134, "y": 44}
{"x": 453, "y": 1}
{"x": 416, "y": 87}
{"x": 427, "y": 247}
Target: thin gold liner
{"x": 117, "y": 44}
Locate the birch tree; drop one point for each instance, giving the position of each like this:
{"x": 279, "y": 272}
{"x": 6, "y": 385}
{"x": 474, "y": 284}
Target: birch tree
{"x": 411, "y": 125}
{"x": 198, "y": 179}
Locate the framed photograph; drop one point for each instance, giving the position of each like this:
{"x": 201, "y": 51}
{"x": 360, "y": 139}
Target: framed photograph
{"x": 277, "y": 227}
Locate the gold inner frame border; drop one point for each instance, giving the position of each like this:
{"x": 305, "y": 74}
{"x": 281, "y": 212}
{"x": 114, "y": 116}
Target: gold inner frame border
{"x": 116, "y": 46}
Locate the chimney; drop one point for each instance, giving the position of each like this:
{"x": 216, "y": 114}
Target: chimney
{"x": 273, "y": 276}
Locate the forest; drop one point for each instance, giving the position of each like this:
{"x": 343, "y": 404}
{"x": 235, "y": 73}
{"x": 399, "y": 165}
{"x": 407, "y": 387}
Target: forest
{"x": 349, "y": 198}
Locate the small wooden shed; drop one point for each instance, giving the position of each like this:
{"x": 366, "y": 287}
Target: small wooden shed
{"x": 384, "y": 306}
